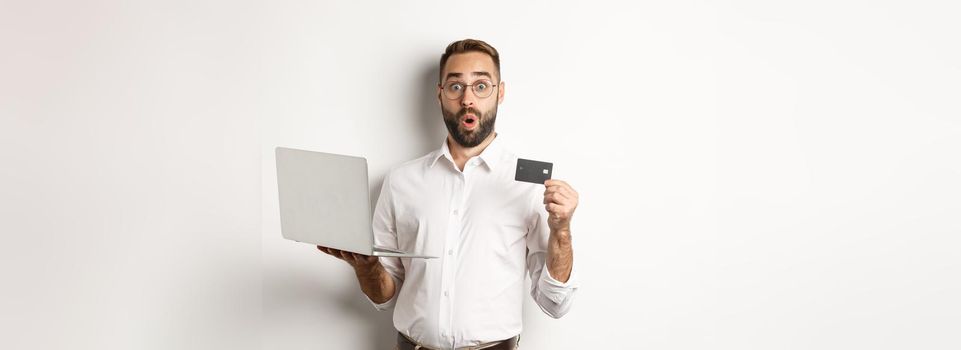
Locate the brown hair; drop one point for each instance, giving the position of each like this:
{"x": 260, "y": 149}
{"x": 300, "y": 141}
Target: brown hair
{"x": 470, "y": 45}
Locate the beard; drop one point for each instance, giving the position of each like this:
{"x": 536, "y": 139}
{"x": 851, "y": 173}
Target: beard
{"x": 470, "y": 138}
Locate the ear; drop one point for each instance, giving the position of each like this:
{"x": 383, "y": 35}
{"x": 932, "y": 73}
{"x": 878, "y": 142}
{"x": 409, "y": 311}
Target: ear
{"x": 500, "y": 92}
{"x": 440, "y": 90}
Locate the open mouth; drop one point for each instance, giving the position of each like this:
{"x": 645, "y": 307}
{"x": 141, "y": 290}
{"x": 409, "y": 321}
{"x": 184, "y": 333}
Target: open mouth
{"x": 469, "y": 121}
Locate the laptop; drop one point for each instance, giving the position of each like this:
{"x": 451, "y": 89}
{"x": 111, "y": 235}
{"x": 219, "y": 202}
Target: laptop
{"x": 325, "y": 201}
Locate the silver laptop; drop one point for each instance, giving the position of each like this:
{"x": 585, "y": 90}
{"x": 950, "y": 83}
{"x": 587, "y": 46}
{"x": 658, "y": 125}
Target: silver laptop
{"x": 324, "y": 200}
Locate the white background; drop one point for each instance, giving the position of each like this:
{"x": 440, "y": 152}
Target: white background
{"x": 752, "y": 175}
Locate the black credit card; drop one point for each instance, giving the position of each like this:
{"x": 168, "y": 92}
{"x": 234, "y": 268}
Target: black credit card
{"x": 533, "y": 171}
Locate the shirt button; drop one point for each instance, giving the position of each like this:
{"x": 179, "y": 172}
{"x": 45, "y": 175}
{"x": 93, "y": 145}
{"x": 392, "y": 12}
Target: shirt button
{"x": 455, "y": 211}
{"x": 450, "y": 252}
{"x": 445, "y": 293}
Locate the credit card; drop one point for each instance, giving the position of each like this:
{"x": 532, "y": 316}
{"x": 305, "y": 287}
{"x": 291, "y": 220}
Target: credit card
{"x": 533, "y": 171}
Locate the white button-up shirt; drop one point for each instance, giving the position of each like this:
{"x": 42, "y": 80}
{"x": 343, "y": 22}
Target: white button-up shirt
{"x": 488, "y": 230}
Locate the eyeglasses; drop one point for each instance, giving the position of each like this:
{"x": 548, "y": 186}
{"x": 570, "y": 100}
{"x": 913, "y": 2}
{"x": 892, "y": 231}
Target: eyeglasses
{"x": 455, "y": 89}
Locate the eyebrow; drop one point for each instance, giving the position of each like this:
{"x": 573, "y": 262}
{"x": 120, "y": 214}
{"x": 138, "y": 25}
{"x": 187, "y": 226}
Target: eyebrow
{"x": 458, "y": 75}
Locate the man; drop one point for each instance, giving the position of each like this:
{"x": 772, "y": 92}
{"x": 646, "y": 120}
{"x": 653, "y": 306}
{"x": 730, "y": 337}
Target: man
{"x": 461, "y": 201}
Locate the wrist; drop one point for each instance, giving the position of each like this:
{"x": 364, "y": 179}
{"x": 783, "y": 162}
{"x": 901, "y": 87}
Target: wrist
{"x": 563, "y": 233}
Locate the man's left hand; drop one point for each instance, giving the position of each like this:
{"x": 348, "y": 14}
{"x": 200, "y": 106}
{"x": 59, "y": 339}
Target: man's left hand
{"x": 560, "y": 200}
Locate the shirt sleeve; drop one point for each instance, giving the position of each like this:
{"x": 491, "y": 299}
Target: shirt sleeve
{"x": 553, "y": 297}
{"x": 385, "y": 235}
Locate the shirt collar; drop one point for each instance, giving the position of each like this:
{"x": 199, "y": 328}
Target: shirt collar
{"x": 491, "y": 154}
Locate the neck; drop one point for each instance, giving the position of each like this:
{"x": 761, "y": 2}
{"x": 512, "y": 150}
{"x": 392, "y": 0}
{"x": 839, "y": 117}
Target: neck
{"x": 461, "y": 154}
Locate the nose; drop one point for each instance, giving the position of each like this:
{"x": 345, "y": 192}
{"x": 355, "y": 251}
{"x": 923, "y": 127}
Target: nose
{"x": 468, "y": 100}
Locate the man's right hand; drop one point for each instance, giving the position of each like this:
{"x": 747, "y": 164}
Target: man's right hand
{"x": 359, "y": 262}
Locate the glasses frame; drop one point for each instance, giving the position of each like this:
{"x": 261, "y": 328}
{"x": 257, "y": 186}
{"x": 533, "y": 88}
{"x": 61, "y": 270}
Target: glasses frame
{"x": 444, "y": 90}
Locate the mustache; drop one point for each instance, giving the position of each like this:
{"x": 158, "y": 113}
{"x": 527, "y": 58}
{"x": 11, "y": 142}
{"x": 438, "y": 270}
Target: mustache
{"x": 464, "y": 112}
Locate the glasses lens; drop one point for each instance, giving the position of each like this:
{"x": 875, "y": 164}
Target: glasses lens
{"x": 454, "y": 90}
{"x": 482, "y": 88}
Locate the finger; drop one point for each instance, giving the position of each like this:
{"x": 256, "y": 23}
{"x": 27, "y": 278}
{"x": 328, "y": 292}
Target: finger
{"x": 564, "y": 197}
{"x": 555, "y": 182}
{"x": 568, "y": 191}
{"x": 351, "y": 258}
{"x": 559, "y": 188}
{"x": 566, "y": 200}
{"x": 365, "y": 259}
{"x": 559, "y": 208}
{"x": 554, "y": 209}
{"x": 325, "y": 250}
{"x": 556, "y": 197}
{"x": 333, "y": 252}
{"x": 553, "y": 189}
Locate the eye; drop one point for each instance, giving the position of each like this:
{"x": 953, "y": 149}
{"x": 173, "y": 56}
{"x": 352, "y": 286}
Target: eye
{"x": 481, "y": 86}
{"x": 455, "y": 87}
